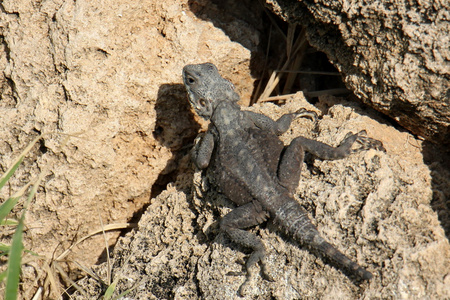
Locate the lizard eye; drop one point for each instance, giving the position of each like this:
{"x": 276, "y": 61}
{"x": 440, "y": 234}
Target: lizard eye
{"x": 190, "y": 80}
{"x": 202, "y": 102}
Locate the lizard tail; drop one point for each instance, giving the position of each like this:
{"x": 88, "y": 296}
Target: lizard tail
{"x": 293, "y": 219}
{"x": 338, "y": 258}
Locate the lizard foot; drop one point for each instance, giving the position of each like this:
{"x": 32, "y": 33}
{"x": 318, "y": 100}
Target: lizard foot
{"x": 255, "y": 257}
{"x": 245, "y": 287}
{"x": 303, "y": 113}
{"x": 366, "y": 142}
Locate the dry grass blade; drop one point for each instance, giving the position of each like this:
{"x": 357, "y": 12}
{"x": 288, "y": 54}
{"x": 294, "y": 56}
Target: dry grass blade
{"x": 51, "y": 281}
{"x": 338, "y": 91}
{"x": 309, "y": 72}
{"x": 89, "y": 272}
{"x": 108, "y": 261}
{"x": 270, "y": 86}
{"x": 258, "y": 88}
{"x": 67, "y": 278}
{"x": 295, "y": 51}
{"x": 274, "y": 79}
{"x": 291, "y": 76}
{"x": 38, "y": 294}
{"x": 106, "y": 228}
{"x": 290, "y": 40}
{"x": 277, "y": 98}
{"x": 296, "y": 60}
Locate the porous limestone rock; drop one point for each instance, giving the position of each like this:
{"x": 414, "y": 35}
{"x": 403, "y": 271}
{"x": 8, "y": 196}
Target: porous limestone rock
{"x": 395, "y": 55}
{"x": 374, "y": 206}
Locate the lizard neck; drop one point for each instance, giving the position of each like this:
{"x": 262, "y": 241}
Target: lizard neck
{"x": 226, "y": 115}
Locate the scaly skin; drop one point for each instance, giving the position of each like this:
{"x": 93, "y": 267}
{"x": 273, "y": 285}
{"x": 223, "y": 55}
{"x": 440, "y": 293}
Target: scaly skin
{"x": 247, "y": 161}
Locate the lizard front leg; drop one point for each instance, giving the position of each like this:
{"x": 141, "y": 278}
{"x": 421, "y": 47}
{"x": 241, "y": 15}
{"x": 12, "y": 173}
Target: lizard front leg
{"x": 325, "y": 151}
{"x": 291, "y": 160}
{"x": 202, "y": 150}
{"x": 234, "y": 222}
{"x": 281, "y": 125}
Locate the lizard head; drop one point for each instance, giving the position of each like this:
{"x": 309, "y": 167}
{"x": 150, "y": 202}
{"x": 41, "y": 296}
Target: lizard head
{"x": 206, "y": 88}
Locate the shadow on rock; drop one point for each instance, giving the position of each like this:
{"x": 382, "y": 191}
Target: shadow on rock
{"x": 244, "y": 22}
{"x": 437, "y": 159}
{"x": 176, "y": 130}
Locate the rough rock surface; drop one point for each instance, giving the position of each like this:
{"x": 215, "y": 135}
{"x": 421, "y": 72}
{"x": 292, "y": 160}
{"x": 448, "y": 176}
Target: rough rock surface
{"x": 394, "y": 54}
{"x": 109, "y": 76}
{"x": 373, "y": 206}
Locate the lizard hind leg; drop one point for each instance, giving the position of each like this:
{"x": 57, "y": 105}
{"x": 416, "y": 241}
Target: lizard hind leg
{"x": 291, "y": 159}
{"x": 233, "y": 223}
{"x": 290, "y": 166}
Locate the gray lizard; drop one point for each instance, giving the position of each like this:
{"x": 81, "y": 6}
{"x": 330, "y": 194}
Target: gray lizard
{"x": 247, "y": 161}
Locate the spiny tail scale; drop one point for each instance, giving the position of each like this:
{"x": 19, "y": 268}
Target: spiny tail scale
{"x": 292, "y": 218}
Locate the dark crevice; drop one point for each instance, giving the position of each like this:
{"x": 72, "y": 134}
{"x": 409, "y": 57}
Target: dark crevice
{"x": 103, "y": 52}
{"x": 6, "y": 49}
{"x": 67, "y": 96}
{"x": 3, "y": 10}
{"x": 14, "y": 94}
{"x": 269, "y": 52}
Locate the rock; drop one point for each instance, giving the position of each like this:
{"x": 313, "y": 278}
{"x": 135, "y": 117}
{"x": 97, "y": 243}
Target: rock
{"x": 374, "y": 206}
{"x": 394, "y": 55}
{"x": 108, "y": 78}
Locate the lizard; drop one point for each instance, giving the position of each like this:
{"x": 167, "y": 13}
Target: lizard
{"x": 244, "y": 157}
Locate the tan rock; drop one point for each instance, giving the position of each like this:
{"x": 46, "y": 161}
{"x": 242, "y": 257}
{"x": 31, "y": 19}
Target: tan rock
{"x": 374, "y": 206}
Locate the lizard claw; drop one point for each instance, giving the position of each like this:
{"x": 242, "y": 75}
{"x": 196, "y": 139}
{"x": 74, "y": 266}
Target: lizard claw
{"x": 243, "y": 289}
{"x": 250, "y": 276}
{"x": 368, "y": 143}
{"x": 266, "y": 274}
{"x": 246, "y": 285}
{"x": 303, "y": 113}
